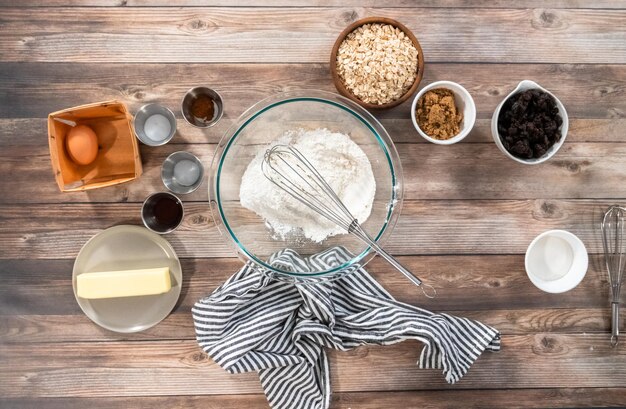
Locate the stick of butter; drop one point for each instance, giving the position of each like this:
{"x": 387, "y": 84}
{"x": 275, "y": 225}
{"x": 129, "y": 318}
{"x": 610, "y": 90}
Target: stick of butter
{"x": 126, "y": 283}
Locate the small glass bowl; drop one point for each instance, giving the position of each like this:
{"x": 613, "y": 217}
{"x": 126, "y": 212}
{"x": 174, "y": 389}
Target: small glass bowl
{"x": 265, "y": 122}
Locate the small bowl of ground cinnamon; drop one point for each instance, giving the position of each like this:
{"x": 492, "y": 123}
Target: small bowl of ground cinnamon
{"x": 443, "y": 112}
{"x": 202, "y": 107}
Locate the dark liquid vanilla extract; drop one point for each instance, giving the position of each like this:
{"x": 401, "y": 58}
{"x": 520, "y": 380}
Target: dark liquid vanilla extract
{"x": 167, "y": 212}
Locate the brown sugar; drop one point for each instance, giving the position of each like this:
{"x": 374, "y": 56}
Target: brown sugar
{"x": 437, "y": 114}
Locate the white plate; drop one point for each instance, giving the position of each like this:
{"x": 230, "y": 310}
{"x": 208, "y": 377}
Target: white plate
{"x": 128, "y": 248}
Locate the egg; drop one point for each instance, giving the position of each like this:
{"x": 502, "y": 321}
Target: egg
{"x": 82, "y": 144}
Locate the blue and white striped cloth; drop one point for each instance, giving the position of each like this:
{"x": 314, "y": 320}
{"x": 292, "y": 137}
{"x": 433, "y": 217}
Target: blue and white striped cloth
{"x": 280, "y": 329}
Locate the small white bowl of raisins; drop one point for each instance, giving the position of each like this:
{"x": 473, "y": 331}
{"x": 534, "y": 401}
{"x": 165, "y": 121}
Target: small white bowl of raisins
{"x": 530, "y": 124}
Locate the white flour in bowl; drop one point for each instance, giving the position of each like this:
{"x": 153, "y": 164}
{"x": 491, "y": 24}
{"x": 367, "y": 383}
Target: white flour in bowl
{"x": 338, "y": 159}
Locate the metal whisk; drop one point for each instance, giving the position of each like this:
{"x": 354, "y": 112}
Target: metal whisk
{"x": 615, "y": 258}
{"x": 291, "y": 171}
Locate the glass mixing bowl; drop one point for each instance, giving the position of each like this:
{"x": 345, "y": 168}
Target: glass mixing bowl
{"x": 268, "y": 120}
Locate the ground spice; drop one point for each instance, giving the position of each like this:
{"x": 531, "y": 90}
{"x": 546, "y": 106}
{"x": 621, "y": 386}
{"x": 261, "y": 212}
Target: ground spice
{"x": 437, "y": 114}
{"x": 202, "y": 108}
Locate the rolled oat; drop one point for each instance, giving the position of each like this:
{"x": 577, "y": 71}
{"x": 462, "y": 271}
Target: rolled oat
{"x": 377, "y": 63}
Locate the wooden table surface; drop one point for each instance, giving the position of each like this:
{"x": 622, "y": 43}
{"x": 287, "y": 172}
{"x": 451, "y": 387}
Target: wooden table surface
{"x": 468, "y": 216}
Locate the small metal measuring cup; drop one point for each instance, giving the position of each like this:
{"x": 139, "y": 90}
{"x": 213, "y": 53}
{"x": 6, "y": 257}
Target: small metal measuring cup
{"x": 162, "y": 212}
{"x": 142, "y": 116}
{"x": 169, "y": 176}
{"x": 191, "y": 96}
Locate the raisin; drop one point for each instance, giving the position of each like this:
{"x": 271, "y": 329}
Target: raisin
{"x": 529, "y": 124}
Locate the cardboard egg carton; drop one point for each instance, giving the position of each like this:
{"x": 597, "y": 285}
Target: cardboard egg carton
{"x": 118, "y": 159}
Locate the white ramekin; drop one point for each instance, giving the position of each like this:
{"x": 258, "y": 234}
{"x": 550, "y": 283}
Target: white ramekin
{"x": 464, "y": 102}
{"x": 576, "y": 271}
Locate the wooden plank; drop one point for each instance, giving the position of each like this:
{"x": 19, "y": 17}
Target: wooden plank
{"x": 143, "y": 402}
{"x": 305, "y": 35}
{"x": 600, "y": 4}
{"x": 424, "y": 228}
{"x": 491, "y": 399}
{"x": 164, "y": 368}
{"x": 34, "y": 89}
{"x": 460, "y": 171}
{"x": 473, "y": 284}
{"x": 23, "y": 329}
{"x": 33, "y": 132}
{"x": 42, "y": 329}
{"x": 485, "y": 399}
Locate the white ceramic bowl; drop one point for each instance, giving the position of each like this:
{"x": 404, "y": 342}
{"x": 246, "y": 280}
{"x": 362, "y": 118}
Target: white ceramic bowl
{"x": 464, "y": 102}
{"x": 556, "y": 261}
{"x": 523, "y": 86}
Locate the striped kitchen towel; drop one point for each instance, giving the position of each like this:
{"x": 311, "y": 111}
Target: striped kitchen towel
{"x": 279, "y": 329}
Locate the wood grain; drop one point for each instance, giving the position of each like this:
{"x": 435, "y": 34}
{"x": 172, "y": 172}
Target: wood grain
{"x": 31, "y": 132}
{"x": 433, "y": 172}
{"x": 570, "y": 4}
{"x": 492, "y": 399}
{"x": 464, "y": 283}
{"x": 24, "y": 329}
{"x": 425, "y": 227}
{"x": 179, "y": 367}
{"x": 177, "y": 326}
{"x": 468, "y": 217}
{"x": 251, "y": 35}
{"x": 34, "y": 90}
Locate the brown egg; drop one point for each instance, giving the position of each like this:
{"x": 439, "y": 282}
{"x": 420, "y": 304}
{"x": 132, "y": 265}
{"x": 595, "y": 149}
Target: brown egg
{"x": 82, "y": 144}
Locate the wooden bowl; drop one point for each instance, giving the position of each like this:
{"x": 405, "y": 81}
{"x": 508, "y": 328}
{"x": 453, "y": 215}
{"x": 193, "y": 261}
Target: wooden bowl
{"x": 380, "y": 20}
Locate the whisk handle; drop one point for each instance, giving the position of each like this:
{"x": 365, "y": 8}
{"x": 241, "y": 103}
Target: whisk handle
{"x": 614, "y": 323}
{"x": 392, "y": 260}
